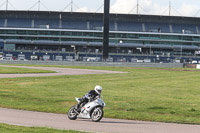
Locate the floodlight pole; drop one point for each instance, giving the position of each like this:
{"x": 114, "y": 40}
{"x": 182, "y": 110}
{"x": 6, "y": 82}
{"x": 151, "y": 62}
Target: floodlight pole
{"x": 106, "y": 29}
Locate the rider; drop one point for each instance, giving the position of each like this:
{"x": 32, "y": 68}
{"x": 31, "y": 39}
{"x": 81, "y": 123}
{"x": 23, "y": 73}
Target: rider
{"x": 91, "y": 95}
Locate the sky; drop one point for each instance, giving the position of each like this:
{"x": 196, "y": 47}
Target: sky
{"x": 155, "y": 7}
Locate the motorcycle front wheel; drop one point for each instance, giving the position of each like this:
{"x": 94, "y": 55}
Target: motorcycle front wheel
{"x": 97, "y": 114}
{"x": 72, "y": 115}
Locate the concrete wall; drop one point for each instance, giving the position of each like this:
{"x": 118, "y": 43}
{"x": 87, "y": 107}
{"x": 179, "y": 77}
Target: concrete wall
{"x": 115, "y": 64}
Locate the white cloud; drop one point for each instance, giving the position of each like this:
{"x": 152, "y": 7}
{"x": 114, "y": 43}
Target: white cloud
{"x": 151, "y": 7}
{"x": 123, "y": 6}
{"x": 158, "y": 9}
{"x": 82, "y": 9}
{"x": 86, "y": 9}
{"x": 145, "y": 7}
{"x": 188, "y": 10}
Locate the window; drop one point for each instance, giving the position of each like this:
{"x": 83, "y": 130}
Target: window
{"x": 21, "y": 32}
{"x": 32, "y": 32}
{"x": 11, "y": 32}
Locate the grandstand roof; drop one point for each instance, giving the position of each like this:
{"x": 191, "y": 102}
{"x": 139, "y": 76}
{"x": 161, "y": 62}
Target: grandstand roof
{"x": 99, "y": 16}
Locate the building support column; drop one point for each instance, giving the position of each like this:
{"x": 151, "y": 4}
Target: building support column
{"x": 106, "y": 29}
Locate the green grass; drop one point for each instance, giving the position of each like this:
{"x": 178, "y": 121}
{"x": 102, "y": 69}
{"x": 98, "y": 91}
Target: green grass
{"x": 4, "y": 128}
{"x": 7, "y": 70}
{"x": 149, "y": 94}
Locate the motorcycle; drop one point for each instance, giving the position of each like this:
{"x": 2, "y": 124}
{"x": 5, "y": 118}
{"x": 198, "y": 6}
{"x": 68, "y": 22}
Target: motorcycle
{"x": 92, "y": 110}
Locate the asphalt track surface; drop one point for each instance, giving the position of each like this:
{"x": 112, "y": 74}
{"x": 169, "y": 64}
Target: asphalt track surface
{"x": 61, "y": 121}
{"x": 59, "y": 72}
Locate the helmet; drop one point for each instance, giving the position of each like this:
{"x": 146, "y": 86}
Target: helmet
{"x": 98, "y": 89}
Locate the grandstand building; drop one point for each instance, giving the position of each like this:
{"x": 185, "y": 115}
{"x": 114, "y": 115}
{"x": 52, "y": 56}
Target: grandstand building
{"x": 43, "y": 35}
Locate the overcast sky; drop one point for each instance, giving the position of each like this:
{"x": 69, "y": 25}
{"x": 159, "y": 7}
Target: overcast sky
{"x": 157, "y": 7}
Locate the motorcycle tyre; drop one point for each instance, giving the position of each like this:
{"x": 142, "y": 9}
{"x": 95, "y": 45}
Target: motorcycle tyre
{"x": 97, "y": 120}
{"x": 72, "y": 118}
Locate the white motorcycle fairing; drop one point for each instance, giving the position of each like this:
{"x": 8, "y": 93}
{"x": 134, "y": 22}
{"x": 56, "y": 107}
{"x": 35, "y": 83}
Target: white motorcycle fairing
{"x": 87, "y": 108}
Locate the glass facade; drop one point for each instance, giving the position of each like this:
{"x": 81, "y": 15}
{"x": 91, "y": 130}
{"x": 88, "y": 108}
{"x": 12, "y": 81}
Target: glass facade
{"x": 96, "y": 36}
{"x": 90, "y": 41}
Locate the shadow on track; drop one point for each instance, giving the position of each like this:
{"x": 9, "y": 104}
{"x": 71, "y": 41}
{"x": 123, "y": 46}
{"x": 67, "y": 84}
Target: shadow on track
{"x": 113, "y": 122}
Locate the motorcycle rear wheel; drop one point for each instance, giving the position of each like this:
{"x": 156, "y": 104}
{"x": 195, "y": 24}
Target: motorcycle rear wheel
{"x": 72, "y": 115}
{"x": 97, "y": 114}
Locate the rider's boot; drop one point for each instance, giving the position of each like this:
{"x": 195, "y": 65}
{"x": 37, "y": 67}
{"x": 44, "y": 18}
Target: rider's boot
{"x": 78, "y": 108}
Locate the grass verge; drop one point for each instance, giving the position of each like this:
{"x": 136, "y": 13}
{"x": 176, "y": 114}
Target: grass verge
{"x": 9, "y": 70}
{"x": 4, "y": 128}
